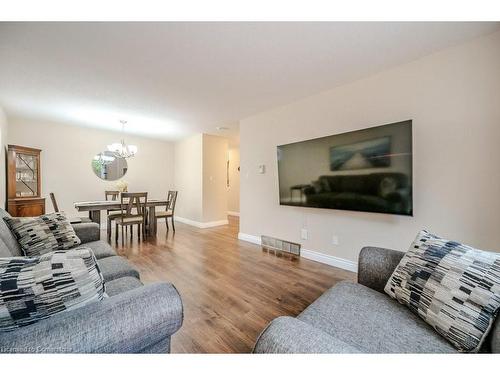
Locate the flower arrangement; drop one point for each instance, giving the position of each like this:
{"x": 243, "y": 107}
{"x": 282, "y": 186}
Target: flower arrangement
{"x": 122, "y": 186}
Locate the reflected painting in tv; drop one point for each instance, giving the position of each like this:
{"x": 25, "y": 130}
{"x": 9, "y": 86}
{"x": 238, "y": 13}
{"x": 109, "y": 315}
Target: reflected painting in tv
{"x": 364, "y": 170}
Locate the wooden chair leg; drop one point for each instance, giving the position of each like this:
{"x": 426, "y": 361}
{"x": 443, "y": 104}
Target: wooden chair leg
{"x": 131, "y": 232}
{"x": 173, "y": 225}
{"x": 166, "y": 222}
{"x": 123, "y": 237}
{"x": 116, "y": 233}
{"x": 109, "y": 228}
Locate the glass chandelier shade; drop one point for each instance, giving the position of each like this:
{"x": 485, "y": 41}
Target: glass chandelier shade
{"x": 121, "y": 149}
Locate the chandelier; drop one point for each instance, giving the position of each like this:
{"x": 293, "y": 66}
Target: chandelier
{"x": 121, "y": 149}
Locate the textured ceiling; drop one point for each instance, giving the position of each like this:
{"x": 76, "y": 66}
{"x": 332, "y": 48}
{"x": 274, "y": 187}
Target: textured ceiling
{"x": 170, "y": 80}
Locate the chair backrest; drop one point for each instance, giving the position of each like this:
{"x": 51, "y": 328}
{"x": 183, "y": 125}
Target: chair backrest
{"x": 113, "y": 194}
{"x": 129, "y": 201}
{"x": 54, "y": 202}
{"x": 171, "y": 199}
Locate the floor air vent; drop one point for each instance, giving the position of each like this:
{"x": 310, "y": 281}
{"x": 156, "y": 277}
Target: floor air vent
{"x": 280, "y": 246}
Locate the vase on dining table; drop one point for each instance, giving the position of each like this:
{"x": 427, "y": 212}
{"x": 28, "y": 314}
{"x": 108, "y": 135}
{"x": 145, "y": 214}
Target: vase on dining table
{"x": 122, "y": 186}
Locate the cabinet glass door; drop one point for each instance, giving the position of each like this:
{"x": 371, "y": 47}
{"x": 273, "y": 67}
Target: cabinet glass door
{"x": 26, "y": 175}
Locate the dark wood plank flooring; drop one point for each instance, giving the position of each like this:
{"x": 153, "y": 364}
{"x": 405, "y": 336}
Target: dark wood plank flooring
{"x": 230, "y": 289}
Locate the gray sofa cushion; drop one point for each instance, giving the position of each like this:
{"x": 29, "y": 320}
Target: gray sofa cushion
{"x": 115, "y": 267}
{"x": 87, "y": 232}
{"x": 372, "y": 322}
{"x": 101, "y": 249}
{"x": 7, "y": 236}
{"x": 121, "y": 285}
{"x": 287, "y": 335}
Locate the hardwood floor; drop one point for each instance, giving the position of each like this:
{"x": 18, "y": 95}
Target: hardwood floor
{"x": 230, "y": 289}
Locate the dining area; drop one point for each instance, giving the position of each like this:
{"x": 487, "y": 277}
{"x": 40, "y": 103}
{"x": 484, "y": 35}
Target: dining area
{"x": 125, "y": 211}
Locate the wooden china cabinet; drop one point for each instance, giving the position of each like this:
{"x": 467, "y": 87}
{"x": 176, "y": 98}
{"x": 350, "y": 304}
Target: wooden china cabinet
{"x": 24, "y": 182}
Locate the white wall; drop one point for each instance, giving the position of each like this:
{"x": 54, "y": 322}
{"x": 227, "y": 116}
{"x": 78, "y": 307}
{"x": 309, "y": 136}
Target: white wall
{"x": 214, "y": 178}
{"x": 233, "y": 194}
{"x": 196, "y": 164}
{"x": 188, "y": 156}
{"x": 3, "y": 145}
{"x": 200, "y": 178}
{"x": 453, "y": 98}
{"x": 67, "y": 152}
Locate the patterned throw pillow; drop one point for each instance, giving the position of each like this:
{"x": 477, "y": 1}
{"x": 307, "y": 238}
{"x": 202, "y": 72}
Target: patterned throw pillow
{"x": 453, "y": 287}
{"x": 42, "y": 234}
{"x": 36, "y": 288}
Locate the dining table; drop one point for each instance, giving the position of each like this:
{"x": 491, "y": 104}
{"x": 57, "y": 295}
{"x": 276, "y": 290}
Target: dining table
{"x": 94, "y": 209}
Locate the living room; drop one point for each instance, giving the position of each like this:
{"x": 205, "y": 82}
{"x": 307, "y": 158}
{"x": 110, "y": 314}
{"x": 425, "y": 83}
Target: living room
{"x": 250, "y": 188}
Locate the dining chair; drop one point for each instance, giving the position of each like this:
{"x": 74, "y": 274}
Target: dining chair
{"x": 130, "y": 202}
{"x": 111, "y": 195}
{"x": 170, "y": 209}
{"x": 72, "y": 220}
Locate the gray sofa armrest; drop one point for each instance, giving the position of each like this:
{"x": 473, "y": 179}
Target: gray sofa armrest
{"x": 129, "y": 322}
{"x": 375, "y": 266}
{"x": 287, "y": 335}
{"x": 87, "y": 232}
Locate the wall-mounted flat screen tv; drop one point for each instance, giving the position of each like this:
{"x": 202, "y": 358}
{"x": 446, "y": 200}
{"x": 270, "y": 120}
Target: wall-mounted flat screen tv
{"x": 364, "y": 170}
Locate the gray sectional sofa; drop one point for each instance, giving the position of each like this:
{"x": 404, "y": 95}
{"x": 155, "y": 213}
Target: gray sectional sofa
{"x": 360, "y": 318}
{"x": 136, "y": 318}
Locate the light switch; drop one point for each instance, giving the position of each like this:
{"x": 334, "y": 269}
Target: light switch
{"x": 335, "y": 239}
{"x": 303, "y": 233}
{"x": 262, "y": 169}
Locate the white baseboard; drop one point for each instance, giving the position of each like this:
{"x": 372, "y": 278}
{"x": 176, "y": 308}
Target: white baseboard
{"x": 199, "y": 224}
{"x": 249, "y": 238}
{"x": 331, "y": 260}
{"x": 233, "y": 213}
{"x": 214, "y": 223}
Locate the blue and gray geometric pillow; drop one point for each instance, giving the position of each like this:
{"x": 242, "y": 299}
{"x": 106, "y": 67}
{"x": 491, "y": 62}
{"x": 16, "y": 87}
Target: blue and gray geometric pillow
{"x": 42, "y": 234}
{"x": 453, "y": 287}
{"x": 36, "y": 288}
